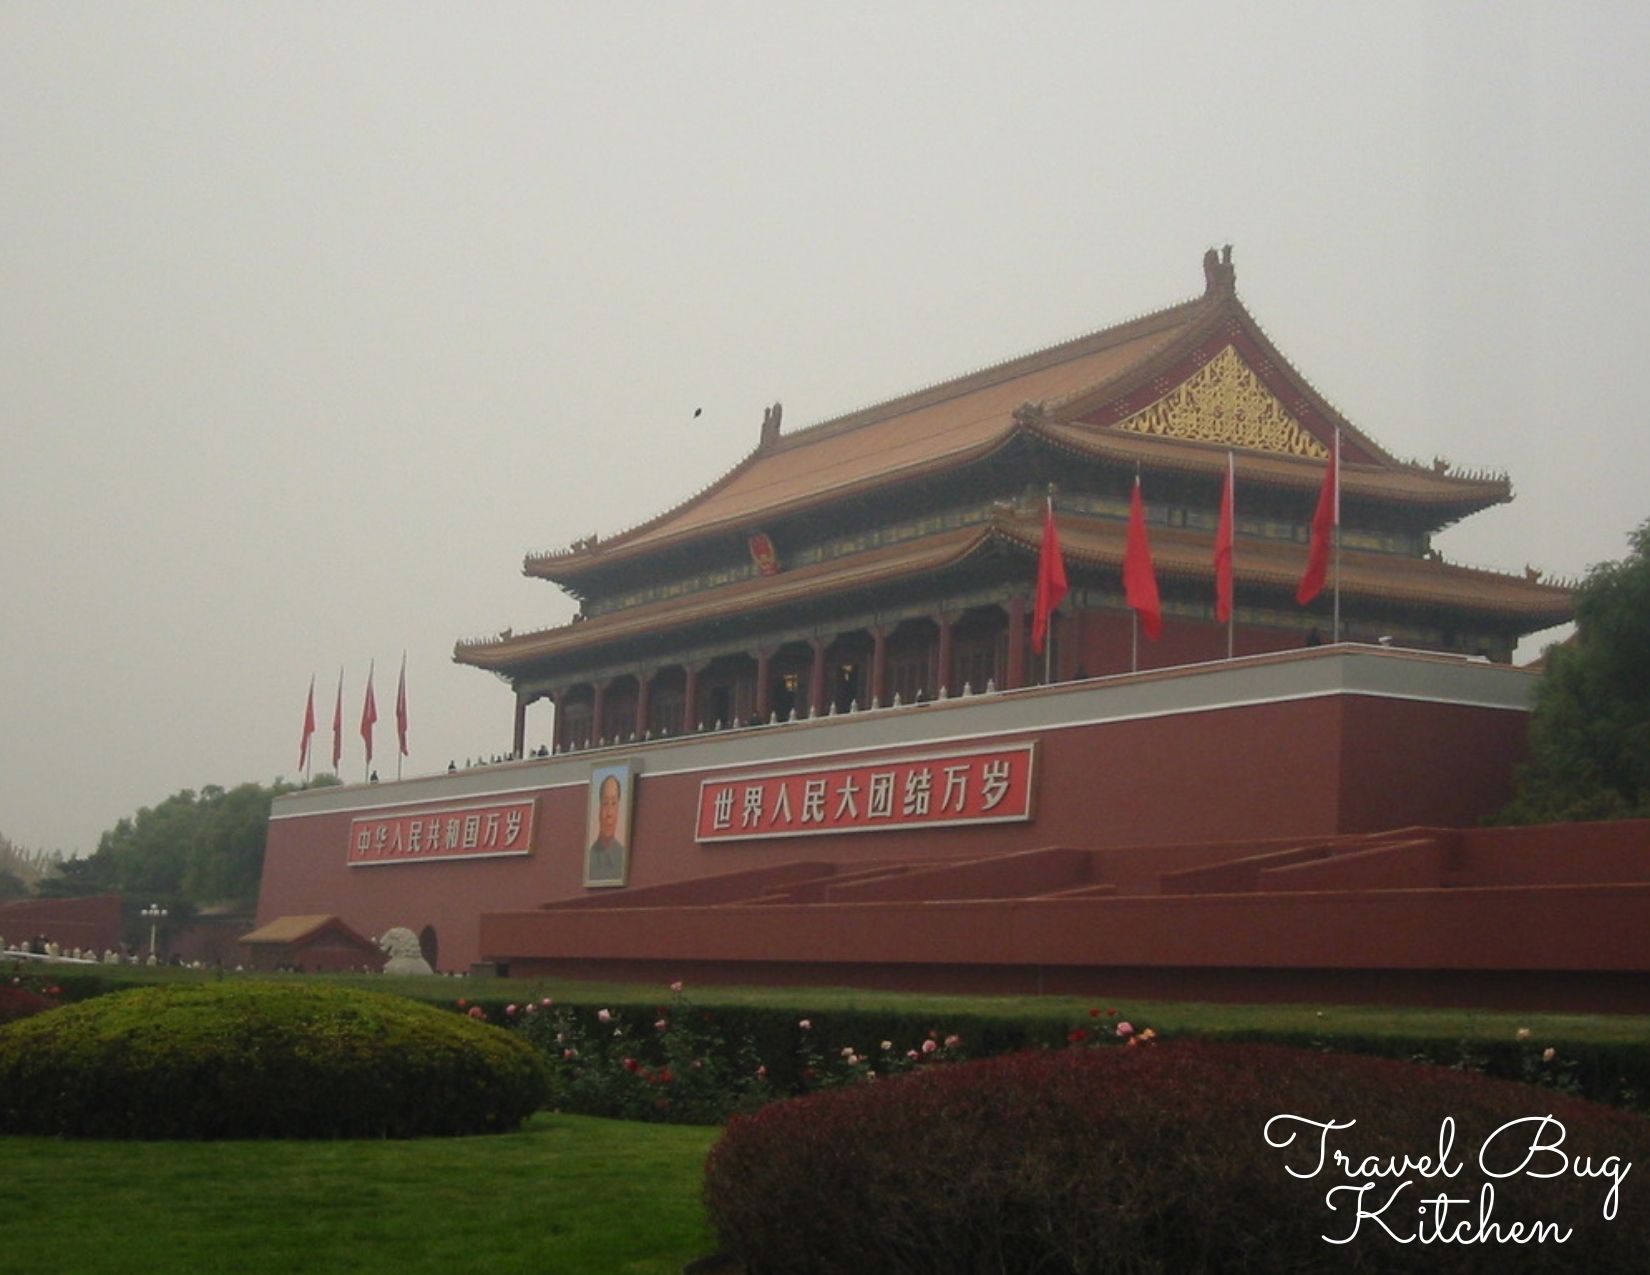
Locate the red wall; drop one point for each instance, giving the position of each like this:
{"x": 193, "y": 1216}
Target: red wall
{"x": 92, "y": 922}
{"x": 1301, "y": 767}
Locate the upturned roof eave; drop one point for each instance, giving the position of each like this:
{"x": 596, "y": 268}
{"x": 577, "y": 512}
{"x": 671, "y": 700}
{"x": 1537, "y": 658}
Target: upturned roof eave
{"x": 567, "y": 573}
{"x": 1546, "y": 604}
{"x": 785, "y": 589}
{"x": 1451, "y": 497}
{"x": 1542, "y": 606}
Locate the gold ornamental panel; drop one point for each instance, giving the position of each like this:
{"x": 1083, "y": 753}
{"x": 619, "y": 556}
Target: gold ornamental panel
{"x": 1225, "y": 402}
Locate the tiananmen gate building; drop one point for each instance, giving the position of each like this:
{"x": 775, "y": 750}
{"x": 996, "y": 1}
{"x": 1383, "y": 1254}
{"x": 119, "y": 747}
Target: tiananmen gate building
{"x": 798, "y": 730}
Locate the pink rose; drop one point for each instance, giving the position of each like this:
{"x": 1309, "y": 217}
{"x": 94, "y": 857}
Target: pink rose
{"x": 677, "y": 987}
{"x": 602, "y": 1016}
{"x": 929, "y": 1045}
{"x": 805, "y": 1025}
{"x": 1125, "y": 1028}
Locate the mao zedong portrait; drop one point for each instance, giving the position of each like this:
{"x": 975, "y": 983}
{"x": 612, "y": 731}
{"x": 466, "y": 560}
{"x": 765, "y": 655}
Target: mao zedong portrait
{"x": 605, "y": 861}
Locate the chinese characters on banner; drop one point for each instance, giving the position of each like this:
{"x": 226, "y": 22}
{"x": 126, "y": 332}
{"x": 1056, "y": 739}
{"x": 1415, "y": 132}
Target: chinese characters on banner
{"x": 462, "y": 832}
{"x": 989, "y": 786}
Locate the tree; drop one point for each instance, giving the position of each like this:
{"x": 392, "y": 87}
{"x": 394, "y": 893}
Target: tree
{"x": 74, "y": 878}
{"x": 1590, "y": 733}
{"x": 12, "y": 886}
{"x": 189, "y": 850}
{"x": 21, "y": 868}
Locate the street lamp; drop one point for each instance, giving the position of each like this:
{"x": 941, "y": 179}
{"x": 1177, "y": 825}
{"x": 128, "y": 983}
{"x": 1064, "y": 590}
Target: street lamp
{"x": 156, "y": 915}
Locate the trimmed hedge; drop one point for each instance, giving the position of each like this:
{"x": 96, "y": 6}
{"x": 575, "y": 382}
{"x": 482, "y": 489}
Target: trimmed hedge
{"x": 1156, "y": 1159}
{"x": 262, "y": 1060}
{"x": 1615, "y": 1071}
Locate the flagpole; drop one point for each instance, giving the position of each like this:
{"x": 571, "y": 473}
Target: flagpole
{"x": 400, "y": 716}
{"x": 309, "y": 732}
{"x": 1048, "y": 638}
{"x": 366, "y": 737}
{"x": 1337, "y": 626}
{"x": 1231, "y": 487}
{"x": 1134, "y": 616}
{"x": 338, "y": 729}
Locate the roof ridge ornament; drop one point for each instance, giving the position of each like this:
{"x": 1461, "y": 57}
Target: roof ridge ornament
{"x": 1033, "y": 414}
{"x": 1219, "y": 274}
{"x": 771, "y": 417}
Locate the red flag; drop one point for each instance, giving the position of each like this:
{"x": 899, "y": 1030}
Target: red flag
{"x": 309, "y": 724}
{"x": 369, "y": 716}
{"x": 338, "y": 724}
{"x": 1139, "y": 579}
{"x": 1324, "y": 521}
{"x": 401, "y": 706}
{"x": 1223, "y": 546}
{"x": 1051, "y": 580}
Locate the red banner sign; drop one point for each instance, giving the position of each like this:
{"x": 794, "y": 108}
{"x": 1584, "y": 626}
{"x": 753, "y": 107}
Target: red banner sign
{"x": 459, "y": 832}
{"x": 939, "y": 790}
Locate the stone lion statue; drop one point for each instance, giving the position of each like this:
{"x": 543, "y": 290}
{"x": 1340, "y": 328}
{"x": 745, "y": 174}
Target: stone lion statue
{"x": 401, "y": 945}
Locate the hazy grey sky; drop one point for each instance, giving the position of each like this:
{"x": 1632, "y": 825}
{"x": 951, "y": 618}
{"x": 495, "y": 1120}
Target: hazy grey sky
{"x": 316, "y": 318}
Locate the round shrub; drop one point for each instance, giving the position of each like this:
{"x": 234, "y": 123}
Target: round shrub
{"x": 262, "y": 1060}
{"x": 1156, "y": 1159}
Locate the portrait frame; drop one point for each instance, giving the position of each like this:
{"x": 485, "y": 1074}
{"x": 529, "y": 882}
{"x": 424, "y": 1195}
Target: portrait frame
{"x": 608, "y": 865}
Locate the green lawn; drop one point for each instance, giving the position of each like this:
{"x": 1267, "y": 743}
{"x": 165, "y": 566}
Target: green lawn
{"x": 567, "y": 1194}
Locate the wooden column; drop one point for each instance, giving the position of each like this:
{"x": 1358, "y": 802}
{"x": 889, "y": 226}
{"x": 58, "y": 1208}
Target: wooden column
{"x": 598, "y": 702}
{"x": 816, "y": 679}
{"x": 879, "y": 665}
{"x": 1071, "y": 644}
{"x": 690, "y": 699}
{"x": 942, "y": 674}
{"x": 520, "y": 737}
{"x": 644, "y": 685}
{"x": 764, "y": 696}
{"x": 1014, "y": 676}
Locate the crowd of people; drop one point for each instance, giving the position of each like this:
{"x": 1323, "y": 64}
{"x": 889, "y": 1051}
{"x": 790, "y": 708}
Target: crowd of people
{"x": 41, "y": 946}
